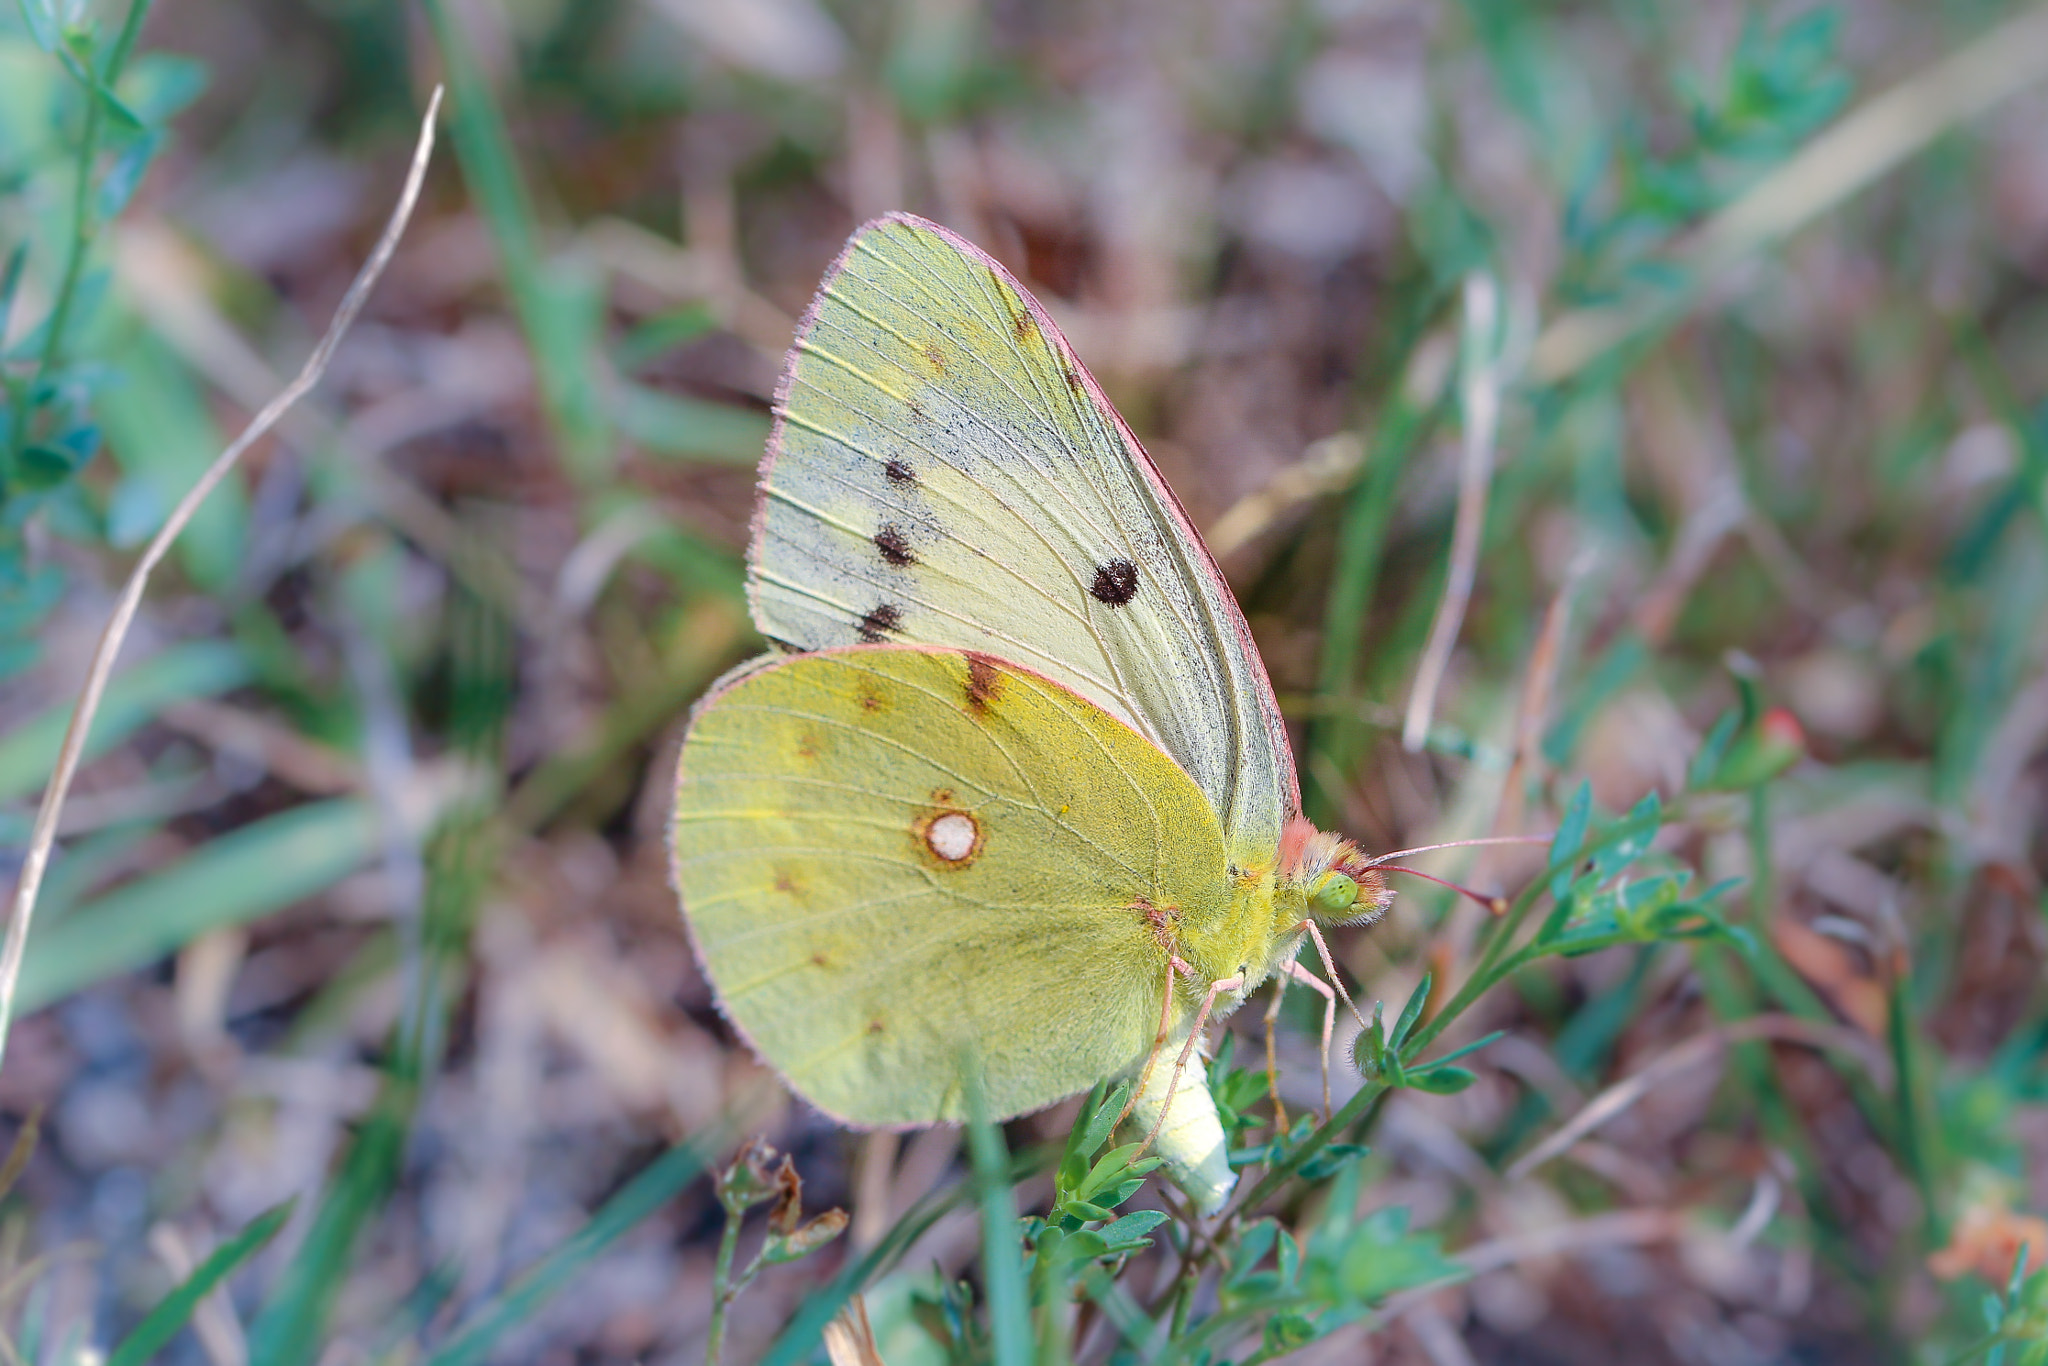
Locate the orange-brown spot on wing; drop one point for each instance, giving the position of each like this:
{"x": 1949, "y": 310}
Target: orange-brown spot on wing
{"x": 785, "y": 883}
{"x": 872, "y": 700}
{"x": 984, "y": 682}
{"x": 936, "y": 354}
{"x": 874, "y": 1026}
{"x": 807, "y": 747}
{"x": 819, "y": 960}
{"x": 1020, "y": 316}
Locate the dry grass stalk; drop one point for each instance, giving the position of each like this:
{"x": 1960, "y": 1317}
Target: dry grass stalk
{"x": 1479, "y": 398}
{"x": 1618, "y": 1097}
{"x": 44, "y": 834}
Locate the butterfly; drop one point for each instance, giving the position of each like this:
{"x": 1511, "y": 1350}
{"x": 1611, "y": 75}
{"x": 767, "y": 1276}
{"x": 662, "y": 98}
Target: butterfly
{"x": 1011, "y": 804}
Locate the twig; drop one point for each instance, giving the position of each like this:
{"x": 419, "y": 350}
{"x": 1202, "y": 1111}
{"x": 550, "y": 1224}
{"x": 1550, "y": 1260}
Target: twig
{"x": 1628, "y": 1091}
{"x": 102, "y": 667}
{"x": 1479, "y": 397}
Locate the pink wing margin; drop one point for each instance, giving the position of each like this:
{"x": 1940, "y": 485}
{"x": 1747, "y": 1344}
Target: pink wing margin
{"x": 1203, "y": 563}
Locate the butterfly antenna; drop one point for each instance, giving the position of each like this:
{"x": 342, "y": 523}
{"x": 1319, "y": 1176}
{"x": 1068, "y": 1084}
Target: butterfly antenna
{"x": 1378, "y": 859}
{"x": 1498, "y": 905}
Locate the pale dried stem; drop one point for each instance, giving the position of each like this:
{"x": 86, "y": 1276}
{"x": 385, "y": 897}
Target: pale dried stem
{"x": 44, "y": 833}
{"x": 1479, "y": 398}
{"x": 1865, "y": 144}
{"x": 1618, "y": 1097}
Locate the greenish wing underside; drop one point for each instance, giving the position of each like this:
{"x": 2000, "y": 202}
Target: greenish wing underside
{"x": 867, "y": 968}
{"x": 943, "y": 472}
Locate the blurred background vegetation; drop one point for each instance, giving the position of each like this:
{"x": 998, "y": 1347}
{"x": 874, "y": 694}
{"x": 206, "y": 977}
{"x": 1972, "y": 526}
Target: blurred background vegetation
{"x": 359, "y": 1021}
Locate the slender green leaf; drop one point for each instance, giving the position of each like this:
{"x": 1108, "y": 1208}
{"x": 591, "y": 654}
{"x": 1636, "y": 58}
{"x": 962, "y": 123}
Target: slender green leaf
{"x": 691, "y": 428}
{"x": 660, "y": 1182}
{"x": 263, "y": 867}
{"x": 1001, "y": 1251}
{"x": 1411, "y": 1012}
{"x": 202, "y": 668}
{"x": 173, "y": 1310}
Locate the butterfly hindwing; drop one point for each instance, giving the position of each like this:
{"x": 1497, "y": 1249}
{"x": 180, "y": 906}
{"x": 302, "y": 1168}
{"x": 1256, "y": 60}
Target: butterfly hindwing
{"x": 894, "y": 859}
{"x": 944, "y": 471}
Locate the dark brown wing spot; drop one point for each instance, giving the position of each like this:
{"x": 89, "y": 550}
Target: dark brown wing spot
{"x": 819, "y": 960}
{"x": 1116, "y": 583}
{"x": 872, "y": 701}
{"x": 807, "y": 747}
{"x": 785, "y": 883}
{"x": 883, "y": 618}
{"x": 934, "y": 354}
{"x": 917, "y": 415}
{"x": 899, "y": 473}
{"x": 984, "y": 682}
{"x": 895, "y": 547}
{"x": 1073, "y": 378}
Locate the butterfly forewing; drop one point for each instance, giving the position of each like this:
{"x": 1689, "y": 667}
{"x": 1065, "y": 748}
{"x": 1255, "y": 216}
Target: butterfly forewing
{"x": 903, "y": 866}
{"x": 943, "y": 471}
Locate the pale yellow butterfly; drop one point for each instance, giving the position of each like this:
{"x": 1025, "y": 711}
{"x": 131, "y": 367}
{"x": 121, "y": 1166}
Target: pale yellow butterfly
{"x": 1017, "y": 804}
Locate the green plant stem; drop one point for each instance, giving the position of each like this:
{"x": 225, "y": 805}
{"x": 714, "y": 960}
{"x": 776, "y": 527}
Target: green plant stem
{"x": 1183, "y": 1301}
{"x": 721, "y": 1286}
{"x": 84, "y": 223}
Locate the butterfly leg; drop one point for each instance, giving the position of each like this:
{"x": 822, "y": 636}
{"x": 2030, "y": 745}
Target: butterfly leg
{"x": 1272, "y": 1059}
{"x": 1216, "y": 988}
{"x": 1174, "y": 965}
{"x": 1330, "y": 966}
{"x": 1316, "y": 984}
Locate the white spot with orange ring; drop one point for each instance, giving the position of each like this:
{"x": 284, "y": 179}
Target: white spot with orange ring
{"x": 952, "y": 836}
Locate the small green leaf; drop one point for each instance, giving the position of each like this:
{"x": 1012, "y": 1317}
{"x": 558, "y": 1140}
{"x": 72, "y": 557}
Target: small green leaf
{"x": 1130, "y": 1232}
{"x": 1712, "y": 750}
{"x": 1112, "y": 1167}
{"x": 1103, "y": 1119}
{"x": 1285, "y": 1332}
{"x": 1641, "y": 824}
{"x": 1410, "y": 1012}
{"x": 1570, "y": 836}
{"x": 1333, "y": 1158}
{"x": 1382, "y": 1256}
{"x": 1442, "y": 1081}
{"x": 1468, "y": 1049}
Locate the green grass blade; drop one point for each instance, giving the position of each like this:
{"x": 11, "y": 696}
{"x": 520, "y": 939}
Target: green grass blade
{"x": 172, "y": 1311}
{"x": 689, "y": 428}
{"x": 1002, "y": 1253}
{"x": 561, "y": 309}
{"x": 1361, "y": 543}
{"x": 200, "y": 669}
{"x": 288, "y": 1330}
{"x": 660, "y": 1182}
{"x": 263, "y": 867}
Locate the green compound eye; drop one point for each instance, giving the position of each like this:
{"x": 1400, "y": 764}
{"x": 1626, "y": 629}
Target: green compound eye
{"x": 1337, "y": 893}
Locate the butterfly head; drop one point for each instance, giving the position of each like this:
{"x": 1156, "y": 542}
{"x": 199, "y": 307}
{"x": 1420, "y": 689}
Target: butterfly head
{"x": 1337, "y": 885}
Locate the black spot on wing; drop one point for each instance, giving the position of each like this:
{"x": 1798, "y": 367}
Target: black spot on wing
{"x": 1116, "y": 583}
{"x": 899, "y": 473}
{"x": 881, "y": 620}
{"x": 894, "y": 546}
